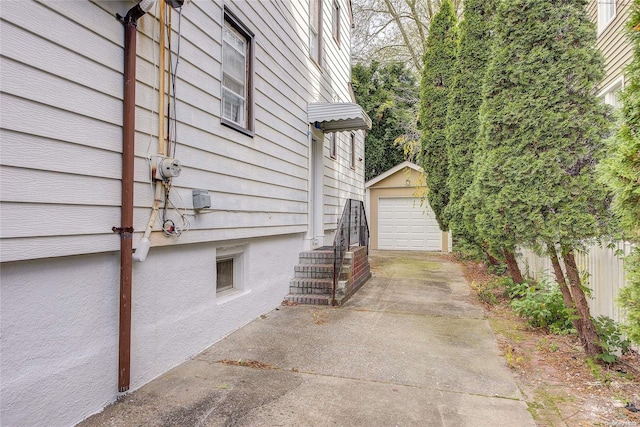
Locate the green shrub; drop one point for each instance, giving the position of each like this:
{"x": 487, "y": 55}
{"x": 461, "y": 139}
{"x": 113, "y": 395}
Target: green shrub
{"x": 611, "y": 339}
{"x": 542, "y": 305}
{"x": 514, "y": 290}
{"x": 498, "y": 270}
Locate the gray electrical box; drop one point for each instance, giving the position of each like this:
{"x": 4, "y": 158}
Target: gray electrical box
{"x": 201, "y": 199}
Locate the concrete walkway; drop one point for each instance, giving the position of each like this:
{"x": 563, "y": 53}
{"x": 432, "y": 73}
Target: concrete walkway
{"x": 409, "y": 349}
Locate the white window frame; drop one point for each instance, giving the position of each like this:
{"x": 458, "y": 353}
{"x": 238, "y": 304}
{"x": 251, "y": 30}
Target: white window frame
{"x": 233, "y": 282}
{"x": 238, "y": 255}
{"x": 232, "y": 27}
{"x": 610, "y": 94}
{"x": 315, "y": 31}
{"x": 333, "y": 145}
{"x": 606, "y": 13}
{"x": 352, "y": 149}
{"x": 335, "y": 21}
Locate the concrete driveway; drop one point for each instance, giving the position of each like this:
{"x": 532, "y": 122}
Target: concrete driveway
{"x": 409, "y": 349}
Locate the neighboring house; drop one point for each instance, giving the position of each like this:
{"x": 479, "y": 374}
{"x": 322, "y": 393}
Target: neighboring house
{"x": 262, "y": 122}
{"x": 399, "y": 214}
{"x": 611, "y": 17}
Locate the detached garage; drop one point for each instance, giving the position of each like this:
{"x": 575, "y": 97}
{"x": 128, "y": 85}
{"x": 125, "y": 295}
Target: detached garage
{"x": 399, "y": 215}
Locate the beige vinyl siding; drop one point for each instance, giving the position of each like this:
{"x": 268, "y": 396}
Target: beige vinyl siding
{"x": 612, "y": 41}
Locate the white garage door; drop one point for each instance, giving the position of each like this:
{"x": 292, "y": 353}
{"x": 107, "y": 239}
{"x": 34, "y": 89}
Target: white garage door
{"x": 407, "y": 223}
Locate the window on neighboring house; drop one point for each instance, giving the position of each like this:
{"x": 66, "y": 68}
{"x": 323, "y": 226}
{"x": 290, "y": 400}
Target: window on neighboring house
{"x": 315, "y": 30}
{"x": 606, "y": 13}
{"x": 224, "y": 274}
{"x": 611, "y": 94}
{"x": 352, "y": 149}
{"x": 237, "y": 55}
{"x": 336, "y": 22}
{"x": 333, "y": 145}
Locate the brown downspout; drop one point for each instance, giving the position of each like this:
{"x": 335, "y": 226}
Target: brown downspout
{"x": 126, "y": 243}
{"x": 126, "y": 227}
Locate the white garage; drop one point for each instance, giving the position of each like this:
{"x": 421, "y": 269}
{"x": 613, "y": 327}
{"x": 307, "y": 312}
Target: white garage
{"x": 399, "y": 215}
{"x": 407, "y": 223}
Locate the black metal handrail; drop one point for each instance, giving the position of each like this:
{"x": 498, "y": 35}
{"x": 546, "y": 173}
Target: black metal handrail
{"x": 352, "y": 228}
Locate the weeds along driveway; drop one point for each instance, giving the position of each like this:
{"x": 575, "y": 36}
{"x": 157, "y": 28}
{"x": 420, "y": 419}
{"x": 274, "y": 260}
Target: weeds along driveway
{"x": 408, "y": 349}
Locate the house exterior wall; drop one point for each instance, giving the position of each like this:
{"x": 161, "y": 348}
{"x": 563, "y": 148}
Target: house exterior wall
{"x": 62, "y": 114}
{"x": 612, "y": 41}
{"x": 61, "y": 92}
{"x": 60, "y": 324}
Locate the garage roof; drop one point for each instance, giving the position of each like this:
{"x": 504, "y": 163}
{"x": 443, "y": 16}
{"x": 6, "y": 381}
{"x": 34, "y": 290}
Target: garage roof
{"x": 338, "y": 116}
{"x": 396, "y": 168}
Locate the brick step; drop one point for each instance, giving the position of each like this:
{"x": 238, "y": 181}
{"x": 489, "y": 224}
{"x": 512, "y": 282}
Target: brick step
{"x": 308, "y": 282}
{"x": 309, "y": 299}
{"x": 316, "y": 257}
{"x": 311, "y": 286}
{"x": 316, "y": 271}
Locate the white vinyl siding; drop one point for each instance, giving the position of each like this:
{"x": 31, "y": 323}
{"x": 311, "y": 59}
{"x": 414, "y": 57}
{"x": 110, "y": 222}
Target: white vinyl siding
{"x": 70, "y": 72}
{"x": 407, "y": 223}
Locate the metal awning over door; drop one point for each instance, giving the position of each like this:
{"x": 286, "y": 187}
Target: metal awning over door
{"x": 338, "y": 116}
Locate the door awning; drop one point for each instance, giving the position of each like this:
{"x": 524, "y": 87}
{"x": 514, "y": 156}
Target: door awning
{"x": 338, "y": 116}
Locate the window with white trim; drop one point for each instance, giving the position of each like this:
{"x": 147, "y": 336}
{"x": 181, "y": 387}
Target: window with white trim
{"x": 224, "y": 274}
{"x": 237, "y": 51}
{"x": 333, "y": 145}
{"x": 611, "y": 94}
{"x": 229, "y": 269}
{"x": 352, "y": 149}
{"x": 315, "y": 30}
{"x": 606, "y": 13}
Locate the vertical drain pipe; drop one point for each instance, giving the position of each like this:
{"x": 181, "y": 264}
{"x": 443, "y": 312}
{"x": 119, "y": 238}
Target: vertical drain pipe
{"x": 126, "y": 228}
{"x": 126, "y": 243}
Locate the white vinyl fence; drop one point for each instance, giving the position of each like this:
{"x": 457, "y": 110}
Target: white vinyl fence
{"x": 604, "y": 270}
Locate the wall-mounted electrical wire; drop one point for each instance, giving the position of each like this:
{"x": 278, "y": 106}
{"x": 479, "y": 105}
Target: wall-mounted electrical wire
{"x": 173, "y": 74}
{"x": 169, "y": 227}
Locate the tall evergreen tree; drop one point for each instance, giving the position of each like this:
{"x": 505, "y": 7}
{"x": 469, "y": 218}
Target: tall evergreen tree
{"x": 474, "y": 49}
{"x": 437, "y": 77}
{"x": 541, "y": 133}
{"x": 387, "y": 94}
{"x": 621, "y": 171}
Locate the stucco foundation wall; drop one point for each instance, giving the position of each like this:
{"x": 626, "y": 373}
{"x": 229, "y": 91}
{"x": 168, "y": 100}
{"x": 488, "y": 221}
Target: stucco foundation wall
{"x": 59, "y": 347}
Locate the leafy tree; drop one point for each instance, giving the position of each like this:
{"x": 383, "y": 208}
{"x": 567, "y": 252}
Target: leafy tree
{"x": 541, "y": 133}
{"x": 621, "y": 171}
{"x": 437, "y": 78}
{"x": 387, "y": 94}
{"x": 474, "y": 49}
{"x": 393, "y": 30}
